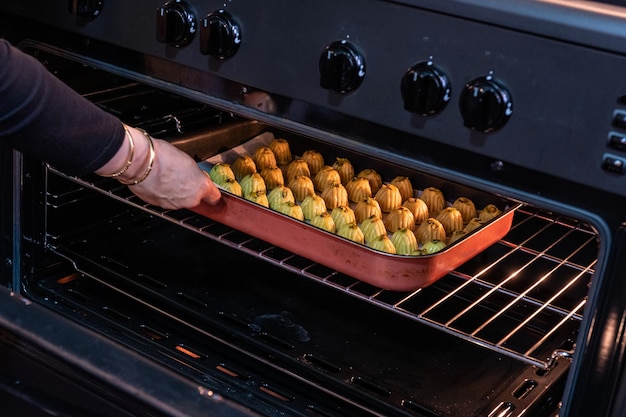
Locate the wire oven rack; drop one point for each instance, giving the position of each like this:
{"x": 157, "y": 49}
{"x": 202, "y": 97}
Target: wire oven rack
{"x": 518, "y": 298}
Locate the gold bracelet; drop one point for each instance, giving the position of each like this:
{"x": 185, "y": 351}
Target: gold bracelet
{"x": 150, "y": 162}
{"x": 131, "y": 154}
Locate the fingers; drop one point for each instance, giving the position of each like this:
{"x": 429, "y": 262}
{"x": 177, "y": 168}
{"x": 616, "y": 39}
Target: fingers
{"x": 176, "y": 181}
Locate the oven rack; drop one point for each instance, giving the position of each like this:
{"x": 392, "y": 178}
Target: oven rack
{"x": 523, "y": 297}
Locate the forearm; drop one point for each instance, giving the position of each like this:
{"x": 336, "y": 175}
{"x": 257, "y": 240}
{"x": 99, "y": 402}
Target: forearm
{"x": 42, "y": 117}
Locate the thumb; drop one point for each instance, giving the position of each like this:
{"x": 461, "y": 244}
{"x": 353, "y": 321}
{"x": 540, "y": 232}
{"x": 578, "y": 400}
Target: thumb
{"x": 213, "y": 194}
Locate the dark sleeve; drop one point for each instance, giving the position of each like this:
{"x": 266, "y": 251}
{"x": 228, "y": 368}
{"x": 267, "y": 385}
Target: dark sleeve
{"x": 45, "y": 119}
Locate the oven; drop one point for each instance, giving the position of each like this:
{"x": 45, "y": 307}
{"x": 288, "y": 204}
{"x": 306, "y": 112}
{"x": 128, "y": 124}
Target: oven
{"x": 110, "y": 306}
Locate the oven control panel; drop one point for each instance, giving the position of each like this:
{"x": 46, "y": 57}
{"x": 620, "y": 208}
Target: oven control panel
{"x": 537, "y": 86}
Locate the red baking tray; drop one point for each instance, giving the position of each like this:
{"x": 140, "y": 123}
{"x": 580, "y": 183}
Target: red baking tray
{"x": 383, "y": 270}
{"x": 391, "y": 272}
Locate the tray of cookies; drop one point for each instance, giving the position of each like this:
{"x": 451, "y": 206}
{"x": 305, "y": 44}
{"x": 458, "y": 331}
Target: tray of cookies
{"x": 388, "y": 226}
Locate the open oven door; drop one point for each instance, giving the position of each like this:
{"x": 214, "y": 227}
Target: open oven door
{"x": 50, "y": 366}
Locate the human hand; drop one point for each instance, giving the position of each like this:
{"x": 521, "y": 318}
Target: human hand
{"x": 175, "y": 181}
{"x": 163, "y": 176}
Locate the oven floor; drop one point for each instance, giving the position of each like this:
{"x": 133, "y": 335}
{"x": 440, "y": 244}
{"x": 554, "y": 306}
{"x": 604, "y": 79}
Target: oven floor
{"x": 216, "y": 314}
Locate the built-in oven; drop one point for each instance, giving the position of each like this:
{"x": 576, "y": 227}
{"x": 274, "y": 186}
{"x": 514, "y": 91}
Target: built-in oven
{"x": 112, "y": 306}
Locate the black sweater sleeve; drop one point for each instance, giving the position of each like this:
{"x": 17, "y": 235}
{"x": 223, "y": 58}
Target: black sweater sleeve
{"x": 45, "y": 119}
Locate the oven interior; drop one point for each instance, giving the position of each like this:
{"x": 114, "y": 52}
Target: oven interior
{"x": 280, "y": 333}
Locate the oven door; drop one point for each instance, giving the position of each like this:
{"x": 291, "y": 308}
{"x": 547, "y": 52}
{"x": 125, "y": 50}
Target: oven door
{"x": 52, "y": 366}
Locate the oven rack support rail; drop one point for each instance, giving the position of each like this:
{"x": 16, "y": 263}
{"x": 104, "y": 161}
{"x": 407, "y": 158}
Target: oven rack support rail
{"x": 535, "y": 322}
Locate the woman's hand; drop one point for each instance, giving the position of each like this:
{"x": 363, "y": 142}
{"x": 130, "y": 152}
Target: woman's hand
{"x": 174, "y": 179}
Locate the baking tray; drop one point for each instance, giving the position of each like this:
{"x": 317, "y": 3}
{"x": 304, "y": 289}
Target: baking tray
{"x": 383, "y": 270}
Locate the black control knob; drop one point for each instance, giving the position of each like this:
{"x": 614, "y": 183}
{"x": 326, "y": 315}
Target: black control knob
{"x": 88, "y": 9}
{"x": 425, "y": 89}
{"x": 342, "y": 67}
{"x": 486, "y": 105}
{"x": 175, "y": 23}
{"x": 220, "y": 35}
